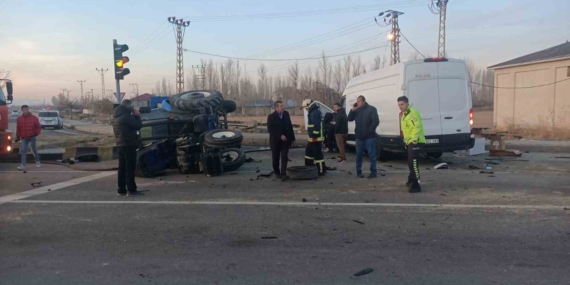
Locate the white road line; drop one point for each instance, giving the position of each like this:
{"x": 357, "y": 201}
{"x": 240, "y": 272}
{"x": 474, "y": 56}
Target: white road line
{"x": 66, "y": 132}
{"x": 53, "y": 187}
{"x": 311, "y": 204}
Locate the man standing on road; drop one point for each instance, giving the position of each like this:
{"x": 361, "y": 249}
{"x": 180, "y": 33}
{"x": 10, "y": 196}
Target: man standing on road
{"x": 27, "y": 129}
{"x": 366, "y": 121}
{"x": 126, "y": 123}
{"x": 314, "y": 151}
{"x": 413, "y": 129}
{"x": 281, "y": 137}
{"x": 341, "y": 131}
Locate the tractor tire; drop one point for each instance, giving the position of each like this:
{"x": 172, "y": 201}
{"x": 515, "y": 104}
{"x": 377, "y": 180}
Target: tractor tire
{"x": 229, "y": 106}
{"x": 191, "y": 100}
{"x": 223, "y": 138}
{"x": 303, "y": 172}
{"x": 232, "y": 159}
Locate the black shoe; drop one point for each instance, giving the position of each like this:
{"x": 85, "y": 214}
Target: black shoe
{"x": 135, "y": 193}
{"x": 359, "y": 175}
{"x": 122, "y": 193}
{"x": 277, "y": 176}
{"x": 285, "y": 178}
{"x": 372, "y": 175}
{"x": 415, "y": 187}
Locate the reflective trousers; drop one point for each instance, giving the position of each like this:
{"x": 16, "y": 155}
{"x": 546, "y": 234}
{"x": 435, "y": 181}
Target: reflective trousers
{"x": 314, "y": 156}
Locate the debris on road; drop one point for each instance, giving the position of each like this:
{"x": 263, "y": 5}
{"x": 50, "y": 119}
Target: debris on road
{"x": 501, "y": 153}
{"x": 268, "y": 175}
{"x": 88, "y": 158}
{"x": 304, "y": 200}
{"x": 486, "y": 172}
{"x": 364, "y": 272}
{"x": 441, "y": 166}
{"x": 36, "y": 184}
{"x": 359, "y": 222}
{"x": 268, "y": 237}
{"x": 474, "y": 167}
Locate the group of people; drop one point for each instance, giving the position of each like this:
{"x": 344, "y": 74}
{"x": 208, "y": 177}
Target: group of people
{"x": 332, "y": 130}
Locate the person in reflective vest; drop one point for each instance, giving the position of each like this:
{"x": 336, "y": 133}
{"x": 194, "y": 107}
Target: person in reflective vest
{"x": 413, "y": 131}
{"x": 314, "y": 151}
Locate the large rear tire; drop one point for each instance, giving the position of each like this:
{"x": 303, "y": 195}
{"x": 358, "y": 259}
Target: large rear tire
{"x": 223, "y": 138}
{"x": 191, "y": 100}
{"x": 303, "y": 172}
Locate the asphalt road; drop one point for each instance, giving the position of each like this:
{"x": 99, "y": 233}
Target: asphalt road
{"x": 511, "y": 227}
{"x": 46, "y": 131}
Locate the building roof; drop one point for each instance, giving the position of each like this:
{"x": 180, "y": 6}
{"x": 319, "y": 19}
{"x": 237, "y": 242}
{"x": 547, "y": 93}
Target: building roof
{"x": 559, "y": 51}
{"x": 142, "y": 97}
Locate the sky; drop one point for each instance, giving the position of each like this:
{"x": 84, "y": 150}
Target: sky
{"x": 50, "y": 45}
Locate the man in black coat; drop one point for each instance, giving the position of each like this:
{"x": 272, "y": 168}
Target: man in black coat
{"x": 341, "y": 131}
{"x": 366, "y": 121}
{"x": 126, "y": 123}
{"x": 281, "y": 136}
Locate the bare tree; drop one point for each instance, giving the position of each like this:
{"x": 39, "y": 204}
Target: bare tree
{"x": 375, "y": 65}
{"x": 326, "y": 69}
{"x": 4, "y": 74}
{"x": 347, "y": 69}
{"x": 357, "y": 68}
{"x": 262, "y": 83}
{"x": 414, "y": 56}
{"x": 294, "y": 75}
{"x": 337, "y": 77}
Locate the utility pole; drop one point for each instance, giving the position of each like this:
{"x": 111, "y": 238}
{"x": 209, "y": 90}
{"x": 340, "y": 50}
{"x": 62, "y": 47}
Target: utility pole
{"x": 81, "y": 83}
{"x": 391, "y": 18}
{"x": 180, "y": 26}
{"x": 135, "y": 89}
{"x": 202, "y": 75}
{"x": 92, "y": 96}
{"x": 63, "y": 91}
{"x": 440, "y": 7}
{"x": 102, "y": 72}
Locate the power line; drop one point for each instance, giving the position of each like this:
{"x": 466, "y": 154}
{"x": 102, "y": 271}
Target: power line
{"x": 526, "y": 87}
{"x": 140, "y": 44}
{"x": 294, "y": 59}
{"x": 343, "y": 48}
{"x": 412, "y": 45}
{"x": 323, "y": 37}
{"x": 159, "y": 36}
{"x": 305, "y": 13}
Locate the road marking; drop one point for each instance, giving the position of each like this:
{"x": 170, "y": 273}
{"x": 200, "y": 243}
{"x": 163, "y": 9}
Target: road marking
{"x": 53, "y": 187}
{"x": 66, "y": 132}
{"x": 311, "y": 204}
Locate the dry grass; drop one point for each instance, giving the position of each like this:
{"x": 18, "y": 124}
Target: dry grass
{"x": 77, "y": 141}
{"x": 543, "y": 130}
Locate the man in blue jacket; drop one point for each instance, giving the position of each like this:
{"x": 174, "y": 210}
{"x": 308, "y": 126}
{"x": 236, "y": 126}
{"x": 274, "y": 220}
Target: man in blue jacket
{"x": 314, "y": 151}
{"x": 366, "y": 121}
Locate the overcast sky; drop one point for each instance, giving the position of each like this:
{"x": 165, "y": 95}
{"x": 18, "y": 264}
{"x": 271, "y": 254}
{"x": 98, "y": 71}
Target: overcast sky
{"x": 49, "y": 45}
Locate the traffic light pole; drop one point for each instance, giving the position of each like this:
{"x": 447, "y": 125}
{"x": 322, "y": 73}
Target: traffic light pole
{"x": 118, "y": 95}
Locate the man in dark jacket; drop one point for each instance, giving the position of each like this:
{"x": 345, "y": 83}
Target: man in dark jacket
{"x": 281, "y": 136}
{"x": 341, "y": 131}
{"x": 126, "y": 123}
{"x": 366, "y": 121}
{"x": 314, "y": 151}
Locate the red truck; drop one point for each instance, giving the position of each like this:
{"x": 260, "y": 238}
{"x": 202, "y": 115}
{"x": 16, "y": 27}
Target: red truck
{"x": 5, "y": 134}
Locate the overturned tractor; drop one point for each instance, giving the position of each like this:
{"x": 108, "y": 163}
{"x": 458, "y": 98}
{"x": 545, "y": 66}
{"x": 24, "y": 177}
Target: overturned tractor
{"x": 189, "y": 132}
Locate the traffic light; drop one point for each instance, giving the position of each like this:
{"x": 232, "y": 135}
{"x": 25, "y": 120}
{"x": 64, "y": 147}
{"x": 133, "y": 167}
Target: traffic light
{"x": 120, "y": 60}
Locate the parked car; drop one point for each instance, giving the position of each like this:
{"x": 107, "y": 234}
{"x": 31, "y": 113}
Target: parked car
{"x": 14, "y": 113}
{"x": 50, "y": 119}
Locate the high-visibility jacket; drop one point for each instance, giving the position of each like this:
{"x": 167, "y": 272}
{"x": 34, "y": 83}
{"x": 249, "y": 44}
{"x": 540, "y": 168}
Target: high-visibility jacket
{"x": 412, "y": 126}
{"x": 315, "y": 127}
